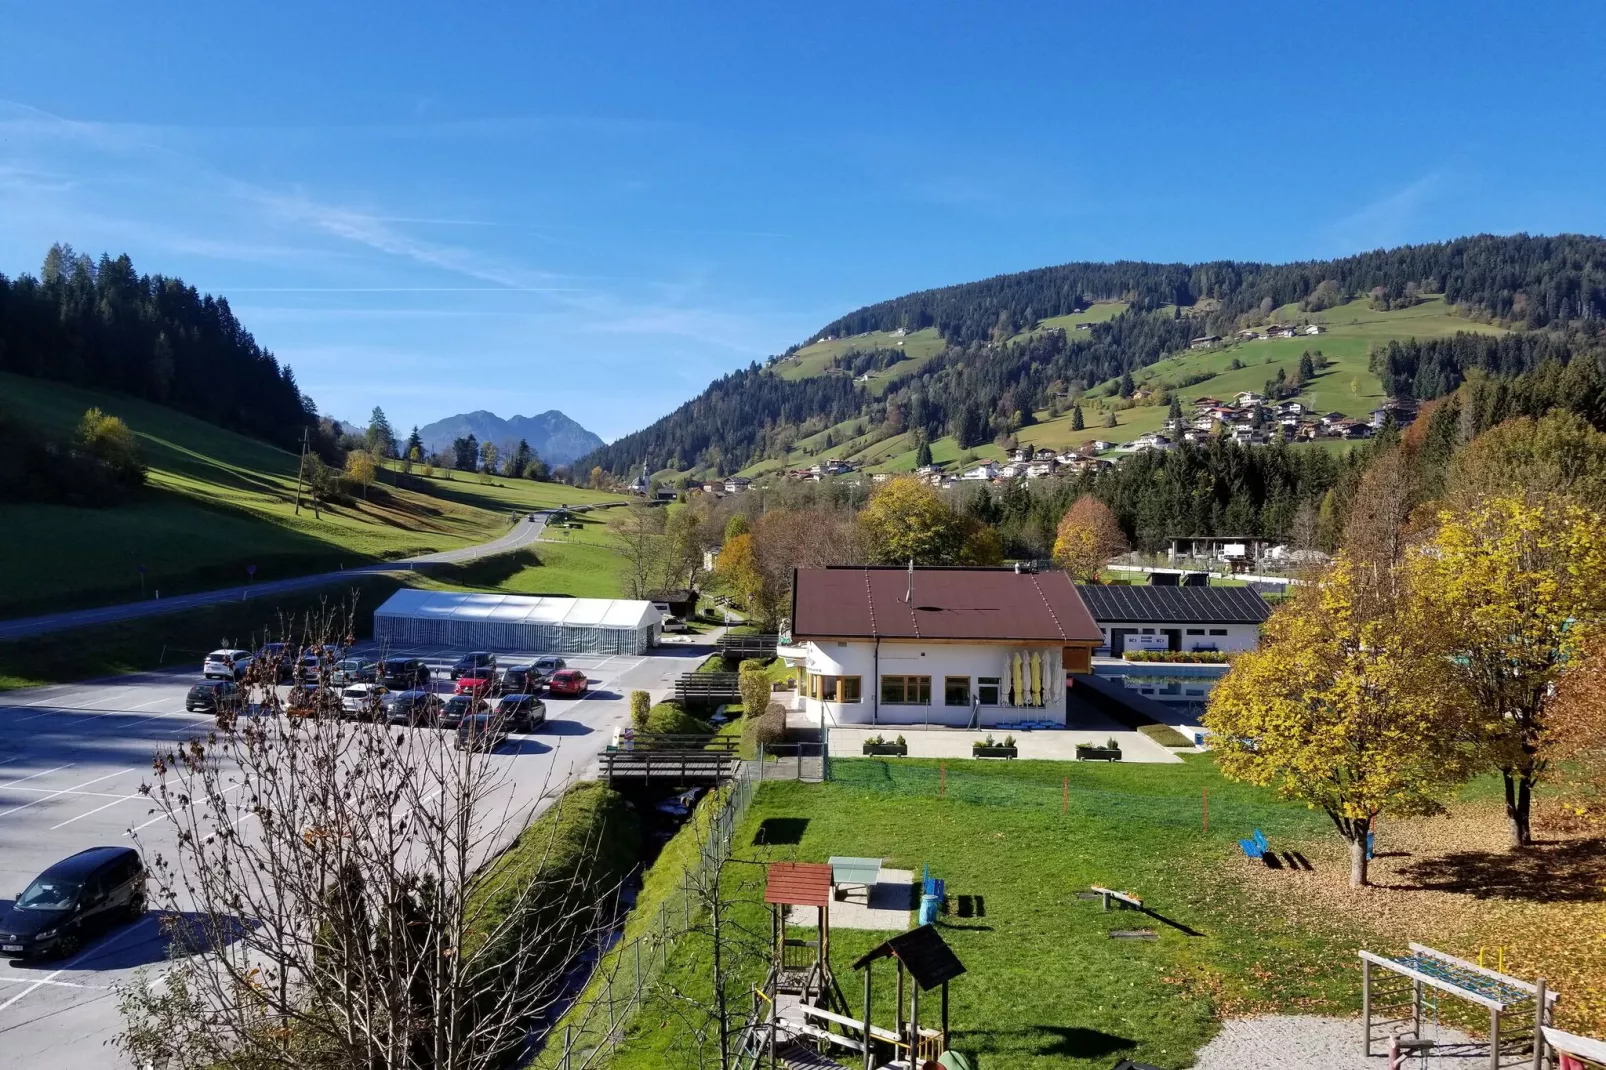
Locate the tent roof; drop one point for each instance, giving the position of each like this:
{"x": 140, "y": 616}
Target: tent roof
{"x": 519, "y": 609}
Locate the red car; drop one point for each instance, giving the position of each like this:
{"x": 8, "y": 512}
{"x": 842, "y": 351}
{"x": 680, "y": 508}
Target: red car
{"x": 567, "y": 682}
{"x": 476, "y": 683}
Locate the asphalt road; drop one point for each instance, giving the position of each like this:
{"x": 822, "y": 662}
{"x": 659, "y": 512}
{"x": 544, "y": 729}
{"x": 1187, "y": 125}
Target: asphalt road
{"x": 525, "y": 532}
{"x": 72, "y": 759}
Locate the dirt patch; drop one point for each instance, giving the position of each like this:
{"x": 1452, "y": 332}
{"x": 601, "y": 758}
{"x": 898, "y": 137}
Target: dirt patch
{"x": 1452, "y": 883}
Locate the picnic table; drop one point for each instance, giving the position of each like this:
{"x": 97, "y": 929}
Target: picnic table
{"x": 860, "y": 871}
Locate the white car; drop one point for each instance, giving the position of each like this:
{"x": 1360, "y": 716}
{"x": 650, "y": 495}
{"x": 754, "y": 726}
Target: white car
{"x": 226, "y": 664}
{"x": 362, "y": 700}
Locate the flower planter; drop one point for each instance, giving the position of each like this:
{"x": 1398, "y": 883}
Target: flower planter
{"x": 898, "y": 749}
{"x": 994, "y": 752}
{"x": 1085, "y": 753}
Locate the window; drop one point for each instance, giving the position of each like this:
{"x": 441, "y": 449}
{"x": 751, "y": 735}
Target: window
{"x": 987, "y": 690}
{"x": 1195, "y": 631}
{"x": 1148, "y": 631}
{"x": 834, "y": 688}
{"x": 1218, "y": 631}
{"x": 906, "y": 690}
{"x": 956, "y": 691}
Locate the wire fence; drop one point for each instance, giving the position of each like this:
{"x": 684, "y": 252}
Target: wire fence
{"x": 627, "y": 971}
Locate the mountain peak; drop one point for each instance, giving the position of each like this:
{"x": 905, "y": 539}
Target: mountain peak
{"x": 552, "y": 434}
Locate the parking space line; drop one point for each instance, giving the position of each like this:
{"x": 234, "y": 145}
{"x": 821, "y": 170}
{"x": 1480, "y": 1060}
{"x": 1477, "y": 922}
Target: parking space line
{"x": 106, "y": 946}
{"x": 31, "y": 776}
{"x": 58, "y": 984}
{"x": 63, "y": 791}
{"x": 96, "y": 810}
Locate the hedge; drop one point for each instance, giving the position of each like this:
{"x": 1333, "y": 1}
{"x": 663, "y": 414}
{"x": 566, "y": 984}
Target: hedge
{"x": 1182, "y": 657}
{"x": 768, "y": 729}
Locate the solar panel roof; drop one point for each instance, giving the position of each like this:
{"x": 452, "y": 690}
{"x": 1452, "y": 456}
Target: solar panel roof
{"x": 1181, "y": 605}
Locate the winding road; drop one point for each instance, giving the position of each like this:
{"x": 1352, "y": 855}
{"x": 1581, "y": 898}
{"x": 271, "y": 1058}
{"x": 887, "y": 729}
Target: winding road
{"x": 525, "y": 532}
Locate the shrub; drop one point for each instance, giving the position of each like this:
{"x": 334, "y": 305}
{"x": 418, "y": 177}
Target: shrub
{"x": 640, "y": 706}
{"x": 755, "y": 689}
{"x": 754, "y": 664}
{"x": 767, "y": 729}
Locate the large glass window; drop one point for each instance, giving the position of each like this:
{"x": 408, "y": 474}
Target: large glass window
{"x": 834, "y": 688}
{"x": 906, "y": 690}
{"x": 987, "y": 688}
{"x": 956, "y": 691}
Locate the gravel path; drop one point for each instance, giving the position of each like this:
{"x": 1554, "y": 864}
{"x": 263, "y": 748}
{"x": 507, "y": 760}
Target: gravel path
{"x": 1309, "y": 1042}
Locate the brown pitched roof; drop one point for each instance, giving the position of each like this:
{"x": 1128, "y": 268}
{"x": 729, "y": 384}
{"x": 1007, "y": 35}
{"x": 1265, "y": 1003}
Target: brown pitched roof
{"x": 798, "y": 884}
{"x": 948, "y": 603}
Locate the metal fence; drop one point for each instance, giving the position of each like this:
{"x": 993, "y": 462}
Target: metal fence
{"x": 627, "y": 972}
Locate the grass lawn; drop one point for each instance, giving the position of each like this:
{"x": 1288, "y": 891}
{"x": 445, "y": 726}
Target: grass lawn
{"x": 218, "y": 502}
{"x": 1046, "y": 985}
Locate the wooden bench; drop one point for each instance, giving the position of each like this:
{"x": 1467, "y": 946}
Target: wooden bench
{"x": 1125, "y": 899}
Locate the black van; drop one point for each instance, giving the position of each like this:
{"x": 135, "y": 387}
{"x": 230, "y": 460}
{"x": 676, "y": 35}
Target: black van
{"x": 73, "y": 901}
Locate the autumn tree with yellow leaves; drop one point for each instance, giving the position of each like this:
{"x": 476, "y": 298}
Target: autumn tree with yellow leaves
{"x": 1088, "y": 536}
{"x": 1348, "y": 706}
{"x": 1515, "y": 585}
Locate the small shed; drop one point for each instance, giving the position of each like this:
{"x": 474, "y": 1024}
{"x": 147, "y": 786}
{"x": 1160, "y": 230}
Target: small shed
{"x": 460, "y": 620}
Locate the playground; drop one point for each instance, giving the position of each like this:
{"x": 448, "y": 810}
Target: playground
{"x": 1100, "y": 913}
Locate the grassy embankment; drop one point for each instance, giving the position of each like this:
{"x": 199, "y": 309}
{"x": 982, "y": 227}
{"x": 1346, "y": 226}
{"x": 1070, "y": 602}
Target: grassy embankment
{"x": 217, "y": 502}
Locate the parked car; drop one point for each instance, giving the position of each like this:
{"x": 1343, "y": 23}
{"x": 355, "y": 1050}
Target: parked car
{"x": 457, "y": 707}
{"x": 479, "y": 659}
{"x": 404, "y": 674}
{"x": 521, "y": 713}
{"x": 521, "y": 680}
{"x": 74, "y": 900}
{"x": 360, "y": 702}
{"x": 481, "y": 731}
{"x": 479, "y": 683}
{"x": 226, "y": 664}
{"x": 675, "y": 624}
{"x": 213, "y": 696}
{"x": 313, "y": 660}
{"x": 280, "y": 655}
{"x": 353, "y": 671}
{"x": 548, "y": 665}
{"x": 568, "y": 682}
{"x": 411, "y": 708}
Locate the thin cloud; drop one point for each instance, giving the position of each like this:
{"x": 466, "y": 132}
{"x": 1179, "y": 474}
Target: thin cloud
{"x": 1389, "y": 219}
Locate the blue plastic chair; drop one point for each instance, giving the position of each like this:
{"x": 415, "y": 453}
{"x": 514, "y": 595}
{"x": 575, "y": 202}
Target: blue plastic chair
{"x": 1252, "y": 850}
{"x": 1260, "y": 841}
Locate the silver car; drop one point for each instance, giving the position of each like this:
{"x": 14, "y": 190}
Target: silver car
{"x": 226, "y": 664}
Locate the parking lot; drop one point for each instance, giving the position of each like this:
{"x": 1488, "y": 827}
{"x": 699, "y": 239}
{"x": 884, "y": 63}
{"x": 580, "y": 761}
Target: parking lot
{"x": 72, "y": 759}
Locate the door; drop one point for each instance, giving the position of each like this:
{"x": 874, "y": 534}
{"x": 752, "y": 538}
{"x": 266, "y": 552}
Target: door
{"x": 1118, "y": 640}
{"x": 1174, "y": 636}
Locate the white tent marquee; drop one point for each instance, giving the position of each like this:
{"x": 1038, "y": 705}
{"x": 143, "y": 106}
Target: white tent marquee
{"x": 511, "y": 622}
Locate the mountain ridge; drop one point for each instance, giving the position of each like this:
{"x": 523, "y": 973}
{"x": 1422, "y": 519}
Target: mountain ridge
{"x": 556, "y": 437}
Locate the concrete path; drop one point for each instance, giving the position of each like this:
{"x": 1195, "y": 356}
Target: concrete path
{"x": 525, "y": 532}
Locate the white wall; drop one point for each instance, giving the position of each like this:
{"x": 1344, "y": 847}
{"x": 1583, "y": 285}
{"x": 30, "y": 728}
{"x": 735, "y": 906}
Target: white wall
{"x": 1237, "y": 637}
{"x": 936, "y": 660}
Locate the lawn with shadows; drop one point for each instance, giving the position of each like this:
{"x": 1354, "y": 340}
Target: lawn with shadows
{"x": 1046, "y": 984}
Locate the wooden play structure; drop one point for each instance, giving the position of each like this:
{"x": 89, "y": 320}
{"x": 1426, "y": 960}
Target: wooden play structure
{"x": 1518, "y": 1011}
{"x": 800, "y": 1017}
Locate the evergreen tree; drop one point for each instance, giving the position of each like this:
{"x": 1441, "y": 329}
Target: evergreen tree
{"x": 415, "y": 446}
{"x": 1109, "y": 418}
{"x": 1126, "y": 384}
{"x": 923, "y": 453}
{"x": 1078, "y": 423}
{"x": 381, "y": 440}
{"x": 1307, "y": 367}
{"x": 1175, "y": 412}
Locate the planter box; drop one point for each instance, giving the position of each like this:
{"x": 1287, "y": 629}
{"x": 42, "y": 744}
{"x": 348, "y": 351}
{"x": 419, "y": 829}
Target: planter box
{"x": 993, "y": 752}
{"x": 899, "y": 749}
{"x": 1085, "y": 753}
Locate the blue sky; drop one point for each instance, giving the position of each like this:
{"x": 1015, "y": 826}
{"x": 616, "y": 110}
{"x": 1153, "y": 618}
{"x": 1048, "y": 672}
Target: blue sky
{"x": 599, "y": 207}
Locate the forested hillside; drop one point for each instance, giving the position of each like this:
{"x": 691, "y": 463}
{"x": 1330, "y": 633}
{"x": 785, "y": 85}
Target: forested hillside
{"x": 102, "y": 326}
{"x": 987, "y": 366}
